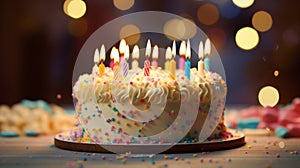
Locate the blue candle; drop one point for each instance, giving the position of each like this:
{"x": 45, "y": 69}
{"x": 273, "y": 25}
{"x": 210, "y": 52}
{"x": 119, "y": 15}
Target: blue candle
{"x": 206, "y": 64}
{"x": 187, "y": 72}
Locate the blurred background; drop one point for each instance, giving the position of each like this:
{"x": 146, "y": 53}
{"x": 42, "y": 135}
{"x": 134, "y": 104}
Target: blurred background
{"x": 258, "y": 41}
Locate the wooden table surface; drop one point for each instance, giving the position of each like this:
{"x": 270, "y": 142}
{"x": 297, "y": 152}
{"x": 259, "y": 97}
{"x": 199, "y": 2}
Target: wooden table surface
{"x": 264, "y": 151}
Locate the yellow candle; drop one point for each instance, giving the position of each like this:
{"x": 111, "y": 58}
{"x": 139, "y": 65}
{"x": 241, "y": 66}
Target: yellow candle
{"x": 102, "y": 59}
{"x": 200, "y": 62}
{"x": 172, "y": 65}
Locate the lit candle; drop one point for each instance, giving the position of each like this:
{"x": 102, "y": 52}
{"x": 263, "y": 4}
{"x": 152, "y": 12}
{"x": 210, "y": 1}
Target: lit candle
{"x": 154, "y": 62}
{"x": 135, "y": 57}
{"x": 172, "y": 66}
{"x": 182, "y": 51}
{"x": 115, "y": 54}
{"x": 147, "y": 62}
{"x": 168, "y": 58}
{"x": 102, "y": 59}
{"x": 125, "y": 63}
{"x": 122, "y": 47}
{"x": 174, "y": 49}
{"x": 96, "y": 61}
{"x": 200, "y": 62}
{"x": 187, "y": 70}
{"x": 207, "y": 50}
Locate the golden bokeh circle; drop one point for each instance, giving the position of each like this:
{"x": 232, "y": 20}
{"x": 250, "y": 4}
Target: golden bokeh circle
{"x": 243, "y": 3}
{"x": 131, "y": 33}
{"x": 262, "y": 21}
{"x": 268, "y": 96}
{"x": 123, "y": 4}
{"x": 208, "y": 14}
{"x": 247, "y": 38}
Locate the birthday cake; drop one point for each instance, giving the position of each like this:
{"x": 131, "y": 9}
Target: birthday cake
{"x": 152, "y": 104}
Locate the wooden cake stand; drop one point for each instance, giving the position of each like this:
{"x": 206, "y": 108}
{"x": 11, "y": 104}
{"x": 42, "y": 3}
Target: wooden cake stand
{"x": 237, "y": 140}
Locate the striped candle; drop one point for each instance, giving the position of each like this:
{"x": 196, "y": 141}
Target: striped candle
{"x": 147, "y": 67}
{"x": 125, "y": 63}
{"x": 147, "y": 62}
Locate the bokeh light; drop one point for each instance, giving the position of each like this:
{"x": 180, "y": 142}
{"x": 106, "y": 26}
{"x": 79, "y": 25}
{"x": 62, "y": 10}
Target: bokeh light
{"x": 123, "y": 4}
{"x": 76, "y": 8}
{"x": 262, "y": 21}
{"x": 243, "y": 3}
{"x": 276, "y": 73}
{"x": 131, "y": 33}
{"x": 247, "y": 38}
{"x": 208, "y": 14}
{"x": 65, "y": 6}
{"x": 78, "y": 27}
{"x": 176, "y": 29}
{"x": 268, "y": 96}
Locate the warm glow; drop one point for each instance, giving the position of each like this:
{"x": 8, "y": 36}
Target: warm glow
{"x": 126, "y": 52}
{"x": 243, "y": 3}
{"x": 76, "y": 8}
{"x": 65, "y": 6}
{"x": 262, "y": 21}
{"x": 247, "y": 38}
{"x": 200, "y": 50}
{"x": 115, "y": 54}
{"x": 276, "y": 73}
{"x": 176, "y": 29}
{"x": 174, "y": 49}
{"x": 102, "y": 53}
{"x": 96, "y": 56}
{"x": 77, "y": 27}
{"x": 207, "y": 47}
{"x": 168, "y": 53}
{"x": 148, "y": 49}
{"x": 122, "y": 46}
{"x": 123, "y": 4}
{"x": 155, "y": 52}
{"x": 208, "y": 14}
{"x": 136, "y": 52}
{"x": 188, "y": 50}
{"x": 131, "y": 33}
{"x": 182, "y": 48}
{"x": 268, "y": 96}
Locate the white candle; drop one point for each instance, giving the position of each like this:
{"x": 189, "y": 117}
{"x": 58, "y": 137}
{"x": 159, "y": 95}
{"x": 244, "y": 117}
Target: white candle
{"x": 168, "y": 56}
{"x": 135, "y": 57}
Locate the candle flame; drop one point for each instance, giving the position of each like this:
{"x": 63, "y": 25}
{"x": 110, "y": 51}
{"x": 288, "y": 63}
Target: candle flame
{"x": 155, "y": 52}
{"x": 200, "y": 51}
{"x": 148, "y": 49}
{"x": 115, "y": 54}
{"x": 207, "y": 47}
{"x": 174, "y": 49}
{"x": 102, "y": 53}
{"x": 126, "y": 54}
{"x": 122, "y": 46}
{"x": 182, "y": 49}
{"x": 168, "y": 53}
{"x": 136, "y": 52}
{"x": 96, "y": 56}
{"x": 188, "y": 50}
